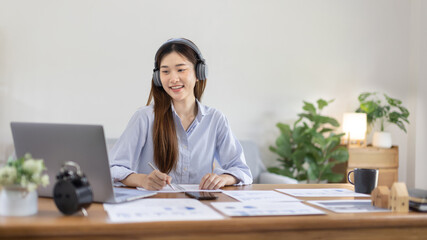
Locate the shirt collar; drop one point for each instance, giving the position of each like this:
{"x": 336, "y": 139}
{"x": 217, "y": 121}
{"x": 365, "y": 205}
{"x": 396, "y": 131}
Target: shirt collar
{"x": 201, "y": 111}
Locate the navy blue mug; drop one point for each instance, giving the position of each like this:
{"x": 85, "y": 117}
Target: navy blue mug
{"x": 365, "y": 180}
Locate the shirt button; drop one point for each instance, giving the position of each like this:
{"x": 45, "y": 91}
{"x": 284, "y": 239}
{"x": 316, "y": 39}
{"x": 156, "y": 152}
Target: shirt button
{"x": 185, "y": 169}
{"x": 185, "y": 146}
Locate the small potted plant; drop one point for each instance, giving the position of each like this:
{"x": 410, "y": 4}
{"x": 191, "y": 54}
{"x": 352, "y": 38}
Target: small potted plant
{"x": 19, "y": 180}
{"x": 383, "y": 113}
{"x": 309, "y": 150}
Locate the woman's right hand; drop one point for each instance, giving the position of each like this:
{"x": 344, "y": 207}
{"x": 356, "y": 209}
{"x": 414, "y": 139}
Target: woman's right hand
{"x": 156, "y": 180}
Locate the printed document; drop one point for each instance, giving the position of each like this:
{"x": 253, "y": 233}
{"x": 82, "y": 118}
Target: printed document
{"x": 160, "y": 209}
{"x": 348, "y": 206}
{"x": 182, "y": 188}
{"x": 322, "y": 192}
{"x": 260, "y": 196}
{"x": 241, "y": 209}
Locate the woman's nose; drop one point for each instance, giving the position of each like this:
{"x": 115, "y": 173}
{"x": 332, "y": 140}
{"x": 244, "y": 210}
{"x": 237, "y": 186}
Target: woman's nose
{"x": 174, "y": 76}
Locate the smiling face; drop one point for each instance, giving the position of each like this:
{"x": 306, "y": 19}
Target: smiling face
{"x": 178, "y": 77}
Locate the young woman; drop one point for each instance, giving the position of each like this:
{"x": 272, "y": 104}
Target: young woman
{"x": 178, "y": 134}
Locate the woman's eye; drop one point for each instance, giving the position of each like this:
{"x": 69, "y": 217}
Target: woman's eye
{"x": 165, "y": 72}
{"x": 181, "y": 70}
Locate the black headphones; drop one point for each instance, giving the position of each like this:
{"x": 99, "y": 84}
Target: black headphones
{"x": 201, "y": 67}
{"x": 72, "y": 191}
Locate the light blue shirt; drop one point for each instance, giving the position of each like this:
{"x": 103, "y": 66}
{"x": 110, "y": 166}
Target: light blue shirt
{"x": 207, "y": 139}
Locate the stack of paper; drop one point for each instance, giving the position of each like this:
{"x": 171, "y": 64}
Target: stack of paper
{"x": 348, "y": 206}
{"x": 260, "y": 196}
{"x": 322, "y": 192}
{"x": 159, "y": 209}
{"x": 263, "y": 203}
{"x": 240, "y": 209}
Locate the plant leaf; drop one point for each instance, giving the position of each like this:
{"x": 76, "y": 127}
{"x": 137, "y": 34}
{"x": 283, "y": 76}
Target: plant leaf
{"x": 401, "y": 125}
{"x": 325, "y": 119}
{"x": 313, "y": 170}
{"x": 284, "y": 129}
{"x": 319, "y": 139}
{"x": 326, "y": 130}
{"x": 405, "y": 112}
{"x": 272, "y": 149}
{"x": 321, "y": 104}
{"x": 306, "y": 115}
{"x": 394, "y": 117}
{"x": 332, "y": 177}
{"x": 340, "y": 155}
{"x": 392, "y": 101}
{"x": 309, "y": 107}
{"x": 363, "y": 96}
{"x": 298, "y": 134}
{"x": 283, "y": 146}
{"x": 368, "y": 107}
{"x": 280, "y": 171}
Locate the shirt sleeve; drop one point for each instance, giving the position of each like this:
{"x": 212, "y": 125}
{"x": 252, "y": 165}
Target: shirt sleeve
{"x": 229, "y": 154}
{"x": 124, "y": 155}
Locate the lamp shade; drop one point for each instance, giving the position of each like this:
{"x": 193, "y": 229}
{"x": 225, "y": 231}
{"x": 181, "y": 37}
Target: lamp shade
{"x": 355, "y": 124}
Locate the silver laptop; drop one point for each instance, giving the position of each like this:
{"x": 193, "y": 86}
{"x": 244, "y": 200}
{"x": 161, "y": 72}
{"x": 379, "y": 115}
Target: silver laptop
{"x": 83, "y": 144}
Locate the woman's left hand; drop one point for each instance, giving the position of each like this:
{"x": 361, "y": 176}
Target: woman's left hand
{"x": 213, "y": 181}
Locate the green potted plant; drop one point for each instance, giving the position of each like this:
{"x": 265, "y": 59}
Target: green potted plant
{"x": 19, "y": 180}
{"x": 309, "y": 150}
{"x": 383, "y": 113}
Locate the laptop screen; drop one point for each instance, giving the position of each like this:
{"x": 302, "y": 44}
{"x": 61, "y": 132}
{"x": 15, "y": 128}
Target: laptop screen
{"x": 59, "y": 143}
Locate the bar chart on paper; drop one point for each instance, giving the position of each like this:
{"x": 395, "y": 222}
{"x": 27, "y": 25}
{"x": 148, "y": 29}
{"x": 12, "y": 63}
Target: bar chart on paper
{"x": 160, "y": 210}
{"x": 260, "y": 196}
{"x": 242, "y": 209}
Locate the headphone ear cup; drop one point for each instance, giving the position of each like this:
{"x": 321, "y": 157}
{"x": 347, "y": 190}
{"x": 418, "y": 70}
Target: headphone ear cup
{"x": 156, "y": 78}
{"x": 201, "y": 71}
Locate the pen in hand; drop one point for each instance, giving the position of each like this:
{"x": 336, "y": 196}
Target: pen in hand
{"x": 154, "y": 168}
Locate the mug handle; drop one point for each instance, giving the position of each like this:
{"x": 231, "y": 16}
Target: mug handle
{"x": 348, "y": 177}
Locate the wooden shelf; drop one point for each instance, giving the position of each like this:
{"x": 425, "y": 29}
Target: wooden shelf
{"x": 386, "y": 160}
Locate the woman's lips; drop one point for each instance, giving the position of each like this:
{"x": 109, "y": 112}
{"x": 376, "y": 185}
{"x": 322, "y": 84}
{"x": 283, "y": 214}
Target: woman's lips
{"x": 177, "y": 88}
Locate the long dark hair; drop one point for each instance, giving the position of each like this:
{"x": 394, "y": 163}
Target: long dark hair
{"x": 164, "y": 133}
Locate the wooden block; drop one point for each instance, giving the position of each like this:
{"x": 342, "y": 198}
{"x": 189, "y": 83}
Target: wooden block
{"x": 399, "y": 198}
{"x": 380, "y": 197}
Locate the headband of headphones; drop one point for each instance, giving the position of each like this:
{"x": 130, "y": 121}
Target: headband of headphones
{"x": 201, "y": 67}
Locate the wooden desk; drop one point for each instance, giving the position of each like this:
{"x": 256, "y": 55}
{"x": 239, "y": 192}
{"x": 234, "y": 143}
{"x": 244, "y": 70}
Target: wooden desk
{"x": 49, "y": 223}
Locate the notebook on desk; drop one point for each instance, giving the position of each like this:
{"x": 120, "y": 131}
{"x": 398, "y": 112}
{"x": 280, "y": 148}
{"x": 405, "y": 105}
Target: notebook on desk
{"x": 83, "y": 144}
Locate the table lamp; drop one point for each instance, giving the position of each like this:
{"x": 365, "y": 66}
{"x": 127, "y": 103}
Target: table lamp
{"x": 355, "y": 126}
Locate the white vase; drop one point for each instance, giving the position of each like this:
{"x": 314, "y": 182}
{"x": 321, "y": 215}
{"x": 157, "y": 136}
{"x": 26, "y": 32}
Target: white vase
{"x": 16, "y": 201}
{"x": 381, "y": 140}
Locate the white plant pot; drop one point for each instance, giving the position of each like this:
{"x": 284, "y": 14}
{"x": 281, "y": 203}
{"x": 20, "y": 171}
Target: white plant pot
{"x": 18, "y": 202}
{"x": 381, "y": 140}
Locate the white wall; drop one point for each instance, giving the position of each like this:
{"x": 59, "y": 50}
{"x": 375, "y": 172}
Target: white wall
{"x": 90, "y": 61}
{"x": 419, "y": 73}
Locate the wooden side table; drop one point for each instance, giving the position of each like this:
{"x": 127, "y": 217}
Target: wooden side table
{"x": 386, "y": 160}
